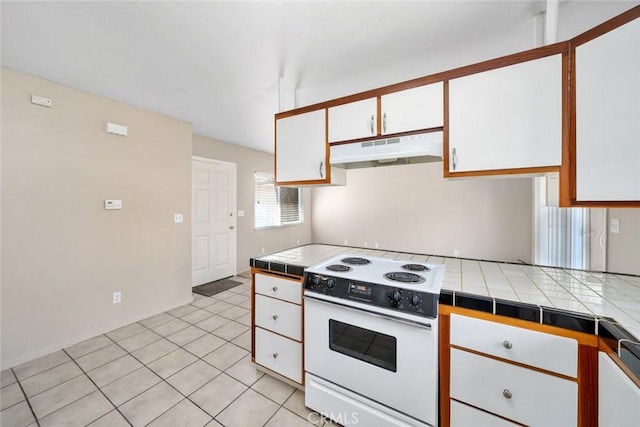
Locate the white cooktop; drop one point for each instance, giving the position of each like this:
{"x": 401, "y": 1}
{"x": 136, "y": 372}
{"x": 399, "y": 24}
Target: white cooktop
{"x": 429, "y": 275}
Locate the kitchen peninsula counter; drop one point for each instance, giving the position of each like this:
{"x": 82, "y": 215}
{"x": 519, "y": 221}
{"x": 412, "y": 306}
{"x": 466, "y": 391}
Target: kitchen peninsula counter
{"x": 599, "y": 303}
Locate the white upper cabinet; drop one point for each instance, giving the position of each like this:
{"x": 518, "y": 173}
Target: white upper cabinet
{"x": 412, "y": 109}
{"x": 618, "y": 396}
{"x": 607, "y": 110}
{"x": 507, "y": 118}
{"x": 301, "y": 149}
{"x": 353, "y": 120}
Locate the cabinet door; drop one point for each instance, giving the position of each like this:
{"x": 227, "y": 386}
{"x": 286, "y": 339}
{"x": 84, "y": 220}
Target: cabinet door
{"x": 618, "y": 396}
{"x": 513, "y": 392}
{"x": 301, "y": 148}
{"x": 278, "y": 316}
{"x": 412, "y": 109}
{"x": 533, "y": 348}
{"x": 280, "y": 288}
{"x": 279, "y": 354}
{"x": 354, "y": 120}
{"x": 607, "y": 97}
{"x": 507, "y": 118}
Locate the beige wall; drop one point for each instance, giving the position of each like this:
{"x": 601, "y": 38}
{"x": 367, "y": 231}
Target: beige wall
{"x": 623, "y": 249}
{"x": 412, "y": 208}
{"x": 63, "y": 254}
{"x": 251, "y": 241}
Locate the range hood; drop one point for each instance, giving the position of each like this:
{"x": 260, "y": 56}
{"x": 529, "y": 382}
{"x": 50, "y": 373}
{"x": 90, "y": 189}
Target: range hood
{"x": 402, "y": 150}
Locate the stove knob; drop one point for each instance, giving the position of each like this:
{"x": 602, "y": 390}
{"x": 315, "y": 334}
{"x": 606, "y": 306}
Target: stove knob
{"x": 415, "y": 299}
{"x": 317, "y": 281}
{"x": 395, "y": 297}
{"x": 331, "y": 283}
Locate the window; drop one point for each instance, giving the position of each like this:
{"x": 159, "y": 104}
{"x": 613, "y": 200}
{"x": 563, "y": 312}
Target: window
{"x": 276, "y": 206}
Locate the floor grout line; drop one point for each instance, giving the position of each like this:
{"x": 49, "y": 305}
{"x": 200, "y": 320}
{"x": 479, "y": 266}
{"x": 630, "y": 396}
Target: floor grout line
{"x": 113, "y": 341}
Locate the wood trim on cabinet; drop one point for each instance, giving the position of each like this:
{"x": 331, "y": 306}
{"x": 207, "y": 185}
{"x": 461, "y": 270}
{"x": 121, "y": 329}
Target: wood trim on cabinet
{"x": 445, "y": 133}
{"x": 605, "y": 27}
{"x": 390, "y": 135}
{"x": 568, "y": 177}
{"x": 491, "y": 64}
{"x": 493, "y": 172}
{"x": 445, "y": 369}
{"x": 567, "y": 118}
{"x": 587, "y": 386}
{"x": 611, "y": 352}
{"x": 327, "y": 152}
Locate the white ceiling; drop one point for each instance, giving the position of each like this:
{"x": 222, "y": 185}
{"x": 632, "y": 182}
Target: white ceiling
{"x": 217, "y": 64}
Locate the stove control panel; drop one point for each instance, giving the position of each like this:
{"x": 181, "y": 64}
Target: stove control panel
{"x": 419, "y": 303}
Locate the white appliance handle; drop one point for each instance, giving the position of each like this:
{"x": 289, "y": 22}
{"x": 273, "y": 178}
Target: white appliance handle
{"x": 372, "y": 313}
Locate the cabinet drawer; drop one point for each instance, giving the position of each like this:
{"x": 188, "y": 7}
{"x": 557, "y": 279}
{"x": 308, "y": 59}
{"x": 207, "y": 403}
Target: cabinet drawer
{"x": 279, "y": 354}
{"x": 279, "y": 316}
{"x": 276, "y": 287}
{"x": 464, "y": 416}
{"x": 538, "y": 349}
{"x": 520, "y": 394}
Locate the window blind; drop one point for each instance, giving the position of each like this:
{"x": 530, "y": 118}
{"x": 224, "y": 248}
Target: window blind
{"x": 275, "y": 206}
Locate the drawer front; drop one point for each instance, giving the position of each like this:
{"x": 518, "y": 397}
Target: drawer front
{"x": 464, "y": 416}
{"x": 279, "y": 354}
{"x": 520, "y": 394}
{"x": 279, "y": 316}
{"x": 538, "y": 349}
{"x": 276, "y": 287}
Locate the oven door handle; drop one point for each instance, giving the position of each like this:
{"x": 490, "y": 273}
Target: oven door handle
{"x": 372, "y": 313}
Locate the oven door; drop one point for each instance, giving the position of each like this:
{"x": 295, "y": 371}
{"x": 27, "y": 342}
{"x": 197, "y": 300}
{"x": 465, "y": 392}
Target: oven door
{"x": 390, "y": 360}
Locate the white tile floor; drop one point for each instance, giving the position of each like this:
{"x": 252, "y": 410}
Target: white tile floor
{"x": 190, "y": 366}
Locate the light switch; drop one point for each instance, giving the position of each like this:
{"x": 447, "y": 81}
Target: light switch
{"x": 240, "y": 214}
{"x": 178, "y": 219}
{"x": 113, "y": 204}
{"x": 615, "y": 226}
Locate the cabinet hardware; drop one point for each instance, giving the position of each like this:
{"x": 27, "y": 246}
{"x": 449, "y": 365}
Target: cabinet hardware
{"x": 506, "y": 344}
{"x": 275, "y": 317}
{"x": 275, "y": 289}
{"x": 320, "y": 168}
{"x": 275, "y": 356}
{"x": 454, "y": 158}
{"x": 384, "y": 123}
{"x": 372, "y": 123}
{"x": 232, "y": 227}
{"x": 507, "y": 394}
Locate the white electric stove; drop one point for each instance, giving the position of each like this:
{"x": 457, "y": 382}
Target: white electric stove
{"x": 371, "y": 340}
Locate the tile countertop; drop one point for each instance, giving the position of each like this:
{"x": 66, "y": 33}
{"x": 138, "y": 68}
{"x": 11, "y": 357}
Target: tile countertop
{"x": 610, "y": 300}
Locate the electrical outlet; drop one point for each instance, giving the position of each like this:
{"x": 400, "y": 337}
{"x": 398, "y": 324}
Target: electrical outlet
{"x": 376, "y": 245}
{"x": 615, "y": 226}
{"x": 346, "y": 242}
{"x": 456, "y": 253}
{"x": 41, "y": 100}
{"x": 366, "y": 244}
{"x": 297, "y": 242}
{"x": 262, "y": 250}
{"x": 178, "y": 219}
{"x": 117, "y": 297}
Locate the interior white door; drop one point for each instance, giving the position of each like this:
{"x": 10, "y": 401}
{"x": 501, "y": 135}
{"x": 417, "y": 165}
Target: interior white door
{"x": 213, "y": 223}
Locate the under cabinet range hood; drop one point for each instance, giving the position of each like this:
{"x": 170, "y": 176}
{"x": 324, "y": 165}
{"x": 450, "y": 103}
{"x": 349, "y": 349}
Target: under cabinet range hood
{"x": 402, "y": 150}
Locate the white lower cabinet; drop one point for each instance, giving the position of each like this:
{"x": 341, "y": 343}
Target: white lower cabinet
{"x": 277, "y": 324}
{"x": 278, "y": 316}
{"x": 618, "y": 396}
{"x": 467, "y": 416}
{"x": 279, "y": 354}
{"x": 524, "y": 395}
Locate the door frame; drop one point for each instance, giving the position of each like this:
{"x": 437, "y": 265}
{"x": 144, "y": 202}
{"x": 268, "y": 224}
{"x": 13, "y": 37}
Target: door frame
{"x": 233, "y": 207}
